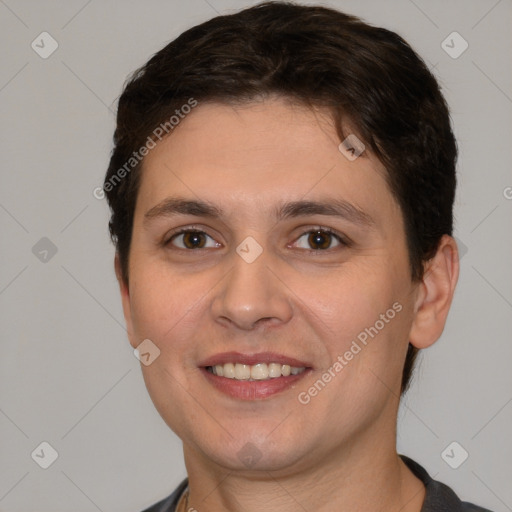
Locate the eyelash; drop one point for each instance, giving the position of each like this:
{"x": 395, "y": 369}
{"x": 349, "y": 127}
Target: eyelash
{"x": 344, "y": 242}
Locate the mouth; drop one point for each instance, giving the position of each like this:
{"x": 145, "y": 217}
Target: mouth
{"x": 253, "y": 377}
{"x": 255, "y": 372}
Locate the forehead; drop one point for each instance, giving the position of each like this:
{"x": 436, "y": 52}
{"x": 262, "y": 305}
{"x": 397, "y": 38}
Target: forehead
{"x": 258, "y": 155}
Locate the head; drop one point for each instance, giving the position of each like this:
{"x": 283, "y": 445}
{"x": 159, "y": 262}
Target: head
{"x": 239, "y": 122}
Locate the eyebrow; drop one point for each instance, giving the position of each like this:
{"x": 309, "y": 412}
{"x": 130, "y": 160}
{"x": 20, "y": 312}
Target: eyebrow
{"x": 173, "y": 206}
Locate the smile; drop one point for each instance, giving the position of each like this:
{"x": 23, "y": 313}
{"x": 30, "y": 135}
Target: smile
{"x": 253, "y": 376}
{"x": 258, "y": 371}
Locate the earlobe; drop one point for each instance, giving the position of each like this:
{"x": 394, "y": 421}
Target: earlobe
{"x": 435, "y": 294}
{"x": 125, "y": 299}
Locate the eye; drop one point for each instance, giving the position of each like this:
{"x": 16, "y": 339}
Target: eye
{"x": 320, "y": 239}
{"x": 192, "y": 239}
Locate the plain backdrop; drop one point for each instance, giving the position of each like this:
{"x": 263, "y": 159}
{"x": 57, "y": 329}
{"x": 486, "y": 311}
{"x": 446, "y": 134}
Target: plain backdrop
{"x": 68, "y": 374}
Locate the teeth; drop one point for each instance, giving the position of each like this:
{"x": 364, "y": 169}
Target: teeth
{"x": 260, "y": 371}
{"x": 274, "y": 370}
{"x": 242, "y": 371}
{"x": 228, "y": 370}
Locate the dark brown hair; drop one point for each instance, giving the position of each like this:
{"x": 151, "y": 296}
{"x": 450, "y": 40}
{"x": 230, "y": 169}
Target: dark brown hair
{"x": 316, "y": 56}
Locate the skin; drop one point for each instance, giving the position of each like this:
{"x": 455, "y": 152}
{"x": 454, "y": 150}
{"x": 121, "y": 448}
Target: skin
{"x": 338, "y": 452}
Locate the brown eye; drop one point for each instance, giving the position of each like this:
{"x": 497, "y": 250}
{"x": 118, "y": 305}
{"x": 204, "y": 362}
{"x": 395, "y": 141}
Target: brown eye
{"x": 191, "y": 239}
{"x": 319, "y": 239}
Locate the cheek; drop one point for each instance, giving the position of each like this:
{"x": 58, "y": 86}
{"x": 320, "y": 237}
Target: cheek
{"x": 344, "y": 302}
{"x": 361, "y": 317}
{"x": 162, "y": 302}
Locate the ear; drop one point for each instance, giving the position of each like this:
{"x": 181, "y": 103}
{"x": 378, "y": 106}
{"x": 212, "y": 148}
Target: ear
{"x": 435, "y": 294}
{"x": 125, "y": 299}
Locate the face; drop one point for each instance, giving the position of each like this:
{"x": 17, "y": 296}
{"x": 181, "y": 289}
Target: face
{"x": 261, "y": 252}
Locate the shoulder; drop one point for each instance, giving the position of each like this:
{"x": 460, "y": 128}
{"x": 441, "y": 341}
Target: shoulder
{"x": 470, "y": 507}
{"x": 169, "y": 504}
{"x": 439, "y": 497}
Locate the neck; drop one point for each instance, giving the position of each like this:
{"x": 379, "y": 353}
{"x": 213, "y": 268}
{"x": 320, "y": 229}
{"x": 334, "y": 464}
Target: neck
{"x": 367, "y": 477}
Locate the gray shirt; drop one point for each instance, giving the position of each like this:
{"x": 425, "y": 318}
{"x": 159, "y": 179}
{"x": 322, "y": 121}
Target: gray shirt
{"x": 438, "y": 497}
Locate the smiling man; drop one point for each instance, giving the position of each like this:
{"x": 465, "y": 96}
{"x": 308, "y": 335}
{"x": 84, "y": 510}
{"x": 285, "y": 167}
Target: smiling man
{"x": 283, "y": 250}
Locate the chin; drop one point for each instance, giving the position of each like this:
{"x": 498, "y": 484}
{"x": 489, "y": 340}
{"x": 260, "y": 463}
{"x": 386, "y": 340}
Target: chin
{"x": 250, "y": 453}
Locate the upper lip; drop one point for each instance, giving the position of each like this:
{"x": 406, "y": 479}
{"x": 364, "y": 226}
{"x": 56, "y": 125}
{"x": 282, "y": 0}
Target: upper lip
{"x": 251, "y": 359}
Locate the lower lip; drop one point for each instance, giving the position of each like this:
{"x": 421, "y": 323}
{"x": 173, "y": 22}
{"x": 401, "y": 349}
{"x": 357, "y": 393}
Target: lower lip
{"x": 255, "y": 389}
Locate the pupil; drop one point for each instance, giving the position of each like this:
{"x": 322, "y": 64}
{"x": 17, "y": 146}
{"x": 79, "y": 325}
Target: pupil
{"x": 193, "y": 240}
{"x": 319, "y": 239}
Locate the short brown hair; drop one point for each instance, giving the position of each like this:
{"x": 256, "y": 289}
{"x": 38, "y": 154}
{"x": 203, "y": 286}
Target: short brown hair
{"x": 319, "y": 57}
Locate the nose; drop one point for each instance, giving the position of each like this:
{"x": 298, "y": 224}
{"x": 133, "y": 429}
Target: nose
{"x": 252, "y": 295}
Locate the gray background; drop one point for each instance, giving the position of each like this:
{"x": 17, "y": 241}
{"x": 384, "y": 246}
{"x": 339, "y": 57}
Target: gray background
{"x": 68, "y": 374}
